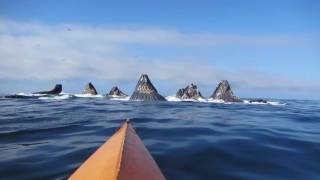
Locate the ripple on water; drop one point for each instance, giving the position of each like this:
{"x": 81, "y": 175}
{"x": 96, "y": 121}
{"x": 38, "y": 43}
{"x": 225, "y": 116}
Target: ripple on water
{"x": 189, "y": 140}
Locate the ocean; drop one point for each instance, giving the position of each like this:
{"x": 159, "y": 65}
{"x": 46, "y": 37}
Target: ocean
{"x": 49, "y": 137}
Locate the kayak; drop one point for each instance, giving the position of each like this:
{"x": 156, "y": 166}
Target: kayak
{"x": 122, "y": 157}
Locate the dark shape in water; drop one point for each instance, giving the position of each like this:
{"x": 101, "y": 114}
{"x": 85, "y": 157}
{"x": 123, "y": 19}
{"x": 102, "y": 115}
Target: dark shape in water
{"x": 258, "y": 101}
{"x": 189, "y": 92}
{"x": 224, "y": 92}
{"x": 17, "y": 96}
{"x": 145, "y": 91}
{"x": 89, "y": 89}
{"x": 56, "y": 90}
{"x": 115, "y": 91}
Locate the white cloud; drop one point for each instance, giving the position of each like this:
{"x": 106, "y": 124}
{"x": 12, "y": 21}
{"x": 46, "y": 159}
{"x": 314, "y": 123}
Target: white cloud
{"x": 46, "y": 52}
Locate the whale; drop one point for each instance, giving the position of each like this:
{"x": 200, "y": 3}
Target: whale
{"x": 56, "y": 90}
{"x": 90, "y": 89}
{"x": 258, "y": 101}
{"x": 17, "y": 96}
{"x": 145, "y": 91}
{"x": 189, "y": 92}
{"x": 116, "y": 92}
{"x": 224, "y": 92}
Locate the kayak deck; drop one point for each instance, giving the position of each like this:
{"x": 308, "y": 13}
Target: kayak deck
{"x": 122, "y": 157}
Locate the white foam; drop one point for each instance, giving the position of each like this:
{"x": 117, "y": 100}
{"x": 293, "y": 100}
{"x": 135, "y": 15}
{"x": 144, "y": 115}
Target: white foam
{"x": 274, "y": 103}
{"x": 57, "y": 97}
{"x": 24, "y": 94}
{"x": 30, "y": 94}
{"x": 119, "y": 98}
{"x": 171, "y": 98}
{"x": 89, "y": 95}
{"x": 175, "y": 99}
{"x": 219, "y": 101}
{"x": 202, "y": 100}
{"x": 115, "y": 96}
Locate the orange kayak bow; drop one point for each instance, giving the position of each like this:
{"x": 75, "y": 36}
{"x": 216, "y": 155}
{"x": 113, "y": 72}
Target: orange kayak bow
{"x": 122, "y": 157}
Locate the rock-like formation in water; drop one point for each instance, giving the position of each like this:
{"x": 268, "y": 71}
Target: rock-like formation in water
{"x": 145, "y": 91}
{"x": 89, "y": 89}
{"x": 56, "y": 90}
{"x": 189, "y": 92}
{"x": 224, "y": 92}
{"x": 116, "y": 92}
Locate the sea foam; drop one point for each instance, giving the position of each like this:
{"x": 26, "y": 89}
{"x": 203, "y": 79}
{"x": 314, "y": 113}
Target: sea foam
{"x": 274, "y": 103}
{"x": 119, "y": 98}
{"x": 175, "y": 99}
{"x": 89, "y": 96}
{"x": 172, "y": 98}
{"x": 56, "y": 97}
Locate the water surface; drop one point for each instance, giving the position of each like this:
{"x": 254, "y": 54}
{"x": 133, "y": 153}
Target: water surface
{"x": 50, "y": 138}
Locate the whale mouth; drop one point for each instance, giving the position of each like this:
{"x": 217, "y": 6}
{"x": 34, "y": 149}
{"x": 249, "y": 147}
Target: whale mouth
{"x": 145, "y": 91}
{"x": 225, "y": 93}
{"x": 144, "y": 78}
{"x": 90, "y": 89}
{"x": 189, "y": 92}
{"x": 116, "y": 92}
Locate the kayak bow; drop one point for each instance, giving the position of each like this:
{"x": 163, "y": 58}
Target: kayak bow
{"x": 122, "y": 157}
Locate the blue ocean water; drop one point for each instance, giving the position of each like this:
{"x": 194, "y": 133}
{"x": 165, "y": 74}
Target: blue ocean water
{"x": 50, "y": 138}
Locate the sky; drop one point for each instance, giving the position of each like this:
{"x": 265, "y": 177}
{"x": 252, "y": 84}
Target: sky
{"x": 266, "y": 49}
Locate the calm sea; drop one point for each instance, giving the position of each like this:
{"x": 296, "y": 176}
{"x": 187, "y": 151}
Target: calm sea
{"x": 50, "y": 138}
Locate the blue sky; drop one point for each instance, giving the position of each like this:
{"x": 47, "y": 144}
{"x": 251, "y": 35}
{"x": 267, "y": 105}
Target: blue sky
{"x": 264, "y": 48}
